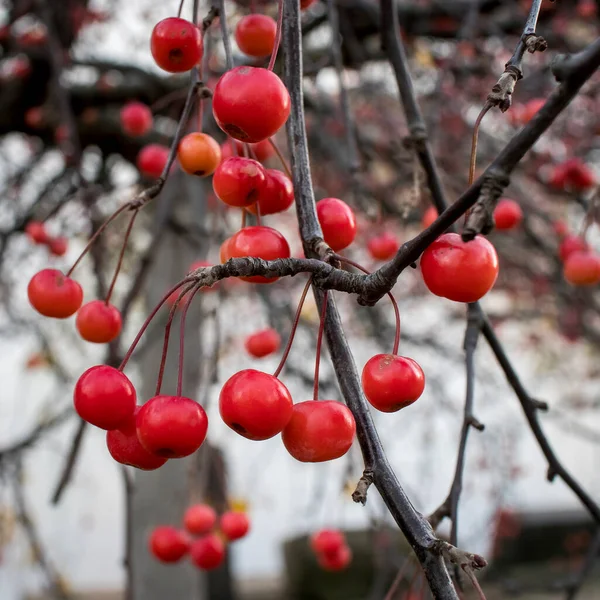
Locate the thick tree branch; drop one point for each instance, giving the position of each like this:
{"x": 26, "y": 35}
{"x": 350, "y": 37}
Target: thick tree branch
{"x": 416, "y": 529}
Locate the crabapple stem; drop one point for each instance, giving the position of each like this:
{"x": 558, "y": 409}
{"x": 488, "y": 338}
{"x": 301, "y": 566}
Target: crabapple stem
{"x": 121, "y": 255}
{"x": 165, "y": 349}
{"x": 149, "y": 318}
{"x": 182, "y": 339}
{"x": 473, "y": 161}
{"x": 284, "y": 163}
{"x": 277, "y": 36}
{"x": 290, "y": 341}
{"x": 180, "y": 8}
{"x": 257, "y": 213}
{"x": 389, "y": 294}
{"x": 244, "y": 215}
{"x": 319, "y": 344}
{"x": 96, "y": 235}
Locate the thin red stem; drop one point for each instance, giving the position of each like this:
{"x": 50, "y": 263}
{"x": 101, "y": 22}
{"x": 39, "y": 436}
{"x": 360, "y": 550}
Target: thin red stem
{"x": 182, "y": 339}
{"x": 389, "y": 294}
{"x": 149, "y": 318}
{"x": 319, "y": 344}
{"x": 96, "y": 235}
{"x": 290, "y": 341}
{"x": 165, "y": 348}
{"x": 121, "y": 255}
{"x": 277, "y": 36}
{"x": 257, "y": 206}
{"x": 284, "y": 163}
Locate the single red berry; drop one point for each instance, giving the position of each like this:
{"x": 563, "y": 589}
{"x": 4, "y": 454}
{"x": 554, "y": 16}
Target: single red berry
{"x": 238, "y": 181}
{"x": 276, "y": 195}
{"x": 582, "y": 267}
{"x": 169, "y": 544}
{"x": 558, "y": 177}
{"x": 429, "y": 216}
{"x": 36, "y": 232}
{"x": 560, "y": 228}
{"x": 384, "y": 246}
{"x": 125, "y": 448}
{"x": 571, "y": 243}
{"x": 460, "y": 271}
{"x": 530, "y": 109}
{"x": 171, "y": 426}
{"x": 176, "y": 45}
{"x": 58, "y": 246}
{"x": 336, "y": 562}
{"x": 136, "y": 119}
{"x": 507, "y": 214}
{"x": 199, "y": 519}
{"x": 105, "y": 397}
{"x": 392, "y": 382}
{"x": 199, "y": 154}
{"x": 327, "y": 541}
{"x": 234, "y": 524}
{"x": 337, "y": 222}
{"x": 579, "y": 175}
{"x": 319, "y": 430}
{"x": 53, "y": 294}
{"x": 98, "y": 322}
{"x": 261, "y": 151}
{"x": 250, "y": 104}
{"x": 255, "y": 404}
{"x": 208, "y": 552}
{"x": 152, "y": 159}
{"x": 262, "y": 343}
{"x": 255, "y": 35}
{"x": 260, "y": 242}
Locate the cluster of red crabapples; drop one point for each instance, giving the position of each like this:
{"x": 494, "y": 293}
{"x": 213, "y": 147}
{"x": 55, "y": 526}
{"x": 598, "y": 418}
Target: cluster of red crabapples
{"x": 250, "y": 104}
{"x": 203, "y": 538}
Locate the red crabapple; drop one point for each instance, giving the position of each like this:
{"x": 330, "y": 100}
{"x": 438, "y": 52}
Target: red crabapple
{"x": 255, "y": 404}
{"x": 234, "y": 525}
{"x": 58, "y": 246}
{"x": 569, "y": 244}
{"x": 255, "y": 35}
{"x": 176, "y": 45}
{"x": 392, "y": 382}
{"x": 582, "y": 267}
{"x": 98, "y": 322}
{"x": 104, "y": 397}
{"x": 507, "y": 214}
{"x": 260, "y": 242}
{"x": 262, "y": 343}
{"x": 238, "y": 181}
{"x": 171, "y": 426}
{"x": 208, "y": 552}
{"x": 337, "y": 222}
{"x": 383, "y": 246}
{"x": 168, "y": 544}
{"x": 136, "y": 119}
{"x": 36, "y": 232}
{"x": 152, "y": 159}
{"x": 124, "y": 446}
{"x": 250, "y": 104}
{"x": 319, "y": 430}
{"x": 53, "y": 294}
{"x": 199, "y": 519}
{"x": 458, "y": 270}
